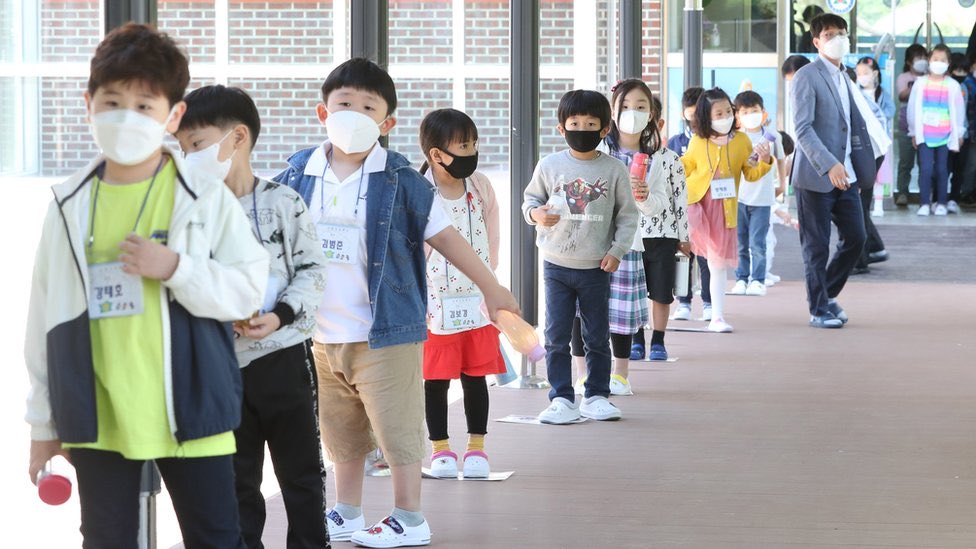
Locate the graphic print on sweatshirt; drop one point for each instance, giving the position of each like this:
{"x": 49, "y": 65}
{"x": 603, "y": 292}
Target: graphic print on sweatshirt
{"x": 579, "y": 194}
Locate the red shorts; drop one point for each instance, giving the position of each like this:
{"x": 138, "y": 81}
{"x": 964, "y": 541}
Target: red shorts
{"x": 474, "y": 353}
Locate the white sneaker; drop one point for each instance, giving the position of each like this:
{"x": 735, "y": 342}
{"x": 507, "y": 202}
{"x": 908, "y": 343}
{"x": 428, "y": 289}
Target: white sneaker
{"x": 444, "y": 465}
{"x": 476, "y": 465}
{"x": 739, "y": 288}
{"x": 952, "y": 207}
{"x": 390, "y": 533}
{"x": 772, "y": 279}
{"x": 560, "y": 412}
{"x": 940, "y": 209}
{"x": 619, "y": 386}
{"x": 683, "y": 312}
{"x": 719, "y": 325}
{"x": 707, "y": 312}
{"x": 923, "y": 210}
{"x": 580, "y": 386}
{"x": 341, "y": 528}
{"x": 600, "y": 409}
{"x": 756, "y": 288}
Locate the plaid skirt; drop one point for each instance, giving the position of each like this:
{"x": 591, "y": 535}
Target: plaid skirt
{"x": 628, "y": 295}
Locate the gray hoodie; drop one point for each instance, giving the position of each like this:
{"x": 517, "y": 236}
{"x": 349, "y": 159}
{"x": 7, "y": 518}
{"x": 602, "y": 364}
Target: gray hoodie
{"x": 599, "y": 216}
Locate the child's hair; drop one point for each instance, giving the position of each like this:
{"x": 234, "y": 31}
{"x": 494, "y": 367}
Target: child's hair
{"x": 442, "y": 127}
{"x": 650, "y": 137}
{"x": 873, "y": 64}
{"x": 362, "y": 74}
{"x": 135, "y": 52}
{"x": 911, "y": 52}
{"x": 943, "y": 48}
{"x": 222, "y": 107}
{"x": 691, "y": 96}
{"x": 584, "y": 103}
{"x": 794, "y": 63}
{"x": 958, "y": 62}
{"x": 826, "y": 21}
{"x": 748, "y": 98}
{"x": 787, "y": 143}
{"x": 703, "y": 111}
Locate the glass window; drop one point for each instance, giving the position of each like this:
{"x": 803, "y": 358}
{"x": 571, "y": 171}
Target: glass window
{"x": 730, "y": 26}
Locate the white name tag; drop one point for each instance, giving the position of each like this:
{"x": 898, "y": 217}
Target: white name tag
{"x": 461, "y": 312}
{"x": 271, "y": 293}
{"x": 340, "y": 242}
{"x": 113, "y": 292}
{"x": 931, "y": 118}
{"x": 723, "y": 188}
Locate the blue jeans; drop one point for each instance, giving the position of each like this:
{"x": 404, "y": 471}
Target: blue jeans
{"x": 564, "y": 288}
{"x": 933, "y": 163}
{"x": 753, "y": 224}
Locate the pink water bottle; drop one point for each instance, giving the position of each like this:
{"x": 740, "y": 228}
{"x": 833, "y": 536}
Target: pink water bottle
{"x": 52, "y": 488}
{"x": 522, "y": 336}
{"x": 638, "y": 166}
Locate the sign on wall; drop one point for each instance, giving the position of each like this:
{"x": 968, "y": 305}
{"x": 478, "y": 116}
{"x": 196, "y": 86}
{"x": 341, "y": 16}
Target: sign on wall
{"x": 840, "y": 7}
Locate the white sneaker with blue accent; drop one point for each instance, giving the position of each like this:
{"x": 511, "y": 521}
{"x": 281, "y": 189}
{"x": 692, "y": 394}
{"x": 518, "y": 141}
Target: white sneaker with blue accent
{"x": 389, "y": 532}
{"x": 341, "y": 528}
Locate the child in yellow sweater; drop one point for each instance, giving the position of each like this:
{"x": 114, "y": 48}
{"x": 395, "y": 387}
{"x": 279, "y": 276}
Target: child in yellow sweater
{"x": 716, "y": 159}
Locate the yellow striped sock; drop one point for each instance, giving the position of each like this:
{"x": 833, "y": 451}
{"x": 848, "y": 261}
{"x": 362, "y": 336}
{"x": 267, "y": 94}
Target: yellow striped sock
{"x": 476, "y": 443}
{"x": 441, "y": 445}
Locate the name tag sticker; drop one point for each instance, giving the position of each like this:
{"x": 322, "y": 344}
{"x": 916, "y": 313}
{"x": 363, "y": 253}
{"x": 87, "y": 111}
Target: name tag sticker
{"x": 461, "y": 312}
{"x": 113, "y": 292}
{"x": 723, "y": 188}
{"x": 340, "y": 242}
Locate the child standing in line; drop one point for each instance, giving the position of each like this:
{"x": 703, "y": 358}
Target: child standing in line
{"x": 780, "y": 210}
{"x": 679, "y": 144}
{"x": 580, "y": 251}
{"x": 461, "y": 343}
{"x": 274, "y": 349}
{"x": 372, "y": 211}
{"x": 716, "y": 160}
{"x": 142, "y": 264}
{"x": 936, "y": 122}
{"x": 755, "y": 199}
{"x": 631, "y": 111}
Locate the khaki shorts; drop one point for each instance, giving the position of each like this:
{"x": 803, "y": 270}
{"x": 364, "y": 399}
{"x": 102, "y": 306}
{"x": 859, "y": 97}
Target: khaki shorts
{"x": 369, "y": 396}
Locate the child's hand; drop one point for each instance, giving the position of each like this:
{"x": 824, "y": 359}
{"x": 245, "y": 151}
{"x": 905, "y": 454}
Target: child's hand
{"x": 609, "y": 263}
{"x": 685, "y": 248}
{"x": 260, "y": 327}
{"x": 148, "y": 259}
{"x": 639, "y": 189}
{"x": 500, "y": 298}
{"x": 764, "y": 154}
{"x": 41, "y": 452}
{"x": 542, "y": 216}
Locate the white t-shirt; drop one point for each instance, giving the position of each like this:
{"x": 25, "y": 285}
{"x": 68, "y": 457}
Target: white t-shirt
{"x": 762, "y": 192}
{"x": 345, "y": 315}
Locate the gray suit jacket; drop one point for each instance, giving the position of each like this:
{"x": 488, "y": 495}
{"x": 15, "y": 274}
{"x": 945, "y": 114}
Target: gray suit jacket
{"x": 821, "y": 131}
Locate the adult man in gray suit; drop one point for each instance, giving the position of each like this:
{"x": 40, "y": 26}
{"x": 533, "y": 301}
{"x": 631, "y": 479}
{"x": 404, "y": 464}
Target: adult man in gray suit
{"x": 833, "y": 155}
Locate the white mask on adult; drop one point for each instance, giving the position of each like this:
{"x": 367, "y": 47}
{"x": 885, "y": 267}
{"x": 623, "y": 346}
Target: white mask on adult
{"x": 723, "y": 126}
{"x": 351, "y": 131}
{"x": 206, "y": 161}
{"x": 938, "y": 68}
{"x": 837, "y": 47}
{"x": 633, "y": 122}
{"x": 126, "y": 136}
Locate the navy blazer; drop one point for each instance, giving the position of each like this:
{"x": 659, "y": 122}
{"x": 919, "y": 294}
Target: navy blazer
{"x": 821, "y": 131}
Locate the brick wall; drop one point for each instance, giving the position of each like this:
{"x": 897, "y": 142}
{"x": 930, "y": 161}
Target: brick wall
{"x": 300, "y": 31}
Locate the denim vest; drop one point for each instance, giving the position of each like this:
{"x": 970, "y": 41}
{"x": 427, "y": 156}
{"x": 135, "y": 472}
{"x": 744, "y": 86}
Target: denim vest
{"x": 397, "y": 208}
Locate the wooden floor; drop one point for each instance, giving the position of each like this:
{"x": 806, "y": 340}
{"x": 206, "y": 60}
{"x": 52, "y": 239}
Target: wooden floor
{"x": 778, "y": 435}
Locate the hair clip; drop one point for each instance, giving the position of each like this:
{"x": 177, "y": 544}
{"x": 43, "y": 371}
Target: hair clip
{"x": 614, "y": 87}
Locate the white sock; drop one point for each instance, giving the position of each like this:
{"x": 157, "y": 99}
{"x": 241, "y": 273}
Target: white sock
{"x": 717, "y": 287}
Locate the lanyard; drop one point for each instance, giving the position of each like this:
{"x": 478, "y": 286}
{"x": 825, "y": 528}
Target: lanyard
{"x": 469, "y": 202}
{"x": 359, "y": 190}
{"x": 728, "y": 156}
{"x": 254, "y": 209}
{"x": 98, "y": 186}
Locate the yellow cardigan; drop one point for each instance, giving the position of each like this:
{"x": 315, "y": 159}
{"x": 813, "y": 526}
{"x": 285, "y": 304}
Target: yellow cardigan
{"x": 699, "y": 172}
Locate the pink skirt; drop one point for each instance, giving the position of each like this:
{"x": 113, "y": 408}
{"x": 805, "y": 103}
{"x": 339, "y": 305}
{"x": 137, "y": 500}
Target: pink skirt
{"x": 709, "y": 236}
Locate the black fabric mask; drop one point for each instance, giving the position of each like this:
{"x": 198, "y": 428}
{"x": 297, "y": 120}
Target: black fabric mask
{"x": 462, "y": 167}
{"x": 959, "y": 78}
{"x": 583, "y": 141}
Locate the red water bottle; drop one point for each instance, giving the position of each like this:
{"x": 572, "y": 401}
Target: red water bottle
{"x": 638, "y": 166}
{"x": 52, "y": 488}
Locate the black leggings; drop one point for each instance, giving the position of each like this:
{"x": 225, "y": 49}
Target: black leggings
{"x": 620, "y": 343}
{"x": 475, "y": 405}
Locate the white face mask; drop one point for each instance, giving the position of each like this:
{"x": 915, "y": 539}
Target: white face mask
{"x": 126, "y": 136}
{"x": 837, "y": 47}
{"x": 723, "y": 126}
{"x": 752, "y": 120}
{"x": 921, "y": 66}
{"x": 938, "y": 68}
{"x": 352, "y": 132}
{"x": 866, "y": 81}
{"x": 206, "y": 161}
{"x": 632, "y": 121}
